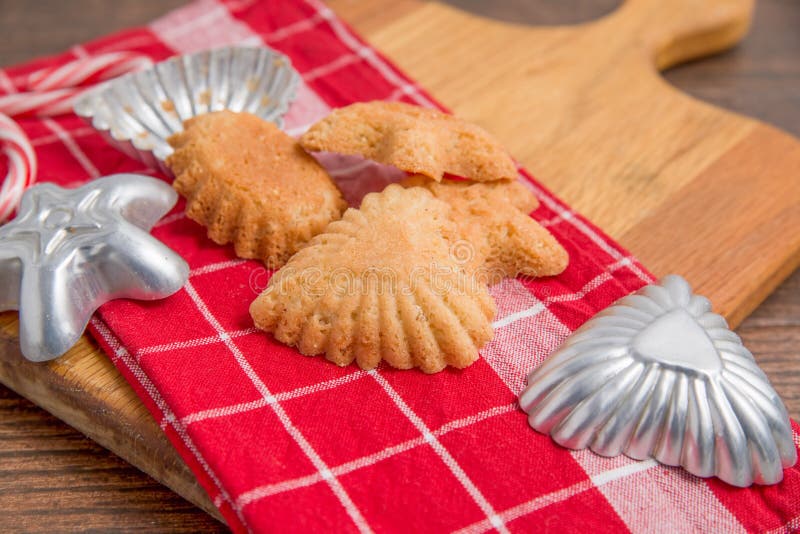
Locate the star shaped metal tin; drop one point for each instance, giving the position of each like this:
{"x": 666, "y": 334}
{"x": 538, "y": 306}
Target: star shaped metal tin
{"x": 659, "y": 375}
{"x": 70, "y": 250}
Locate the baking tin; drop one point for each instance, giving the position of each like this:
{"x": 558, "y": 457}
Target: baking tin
{"x": 70, "y": 250}
{"x": 139, "y": 111}
{"x": 658, "y": 375}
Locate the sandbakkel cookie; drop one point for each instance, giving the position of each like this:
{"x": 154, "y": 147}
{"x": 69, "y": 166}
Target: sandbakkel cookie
{"x": 412, "y": 138}
{"x": 494, "y": 219}
{"x": 252, "y": 185}
{"x": 382, "y": 283}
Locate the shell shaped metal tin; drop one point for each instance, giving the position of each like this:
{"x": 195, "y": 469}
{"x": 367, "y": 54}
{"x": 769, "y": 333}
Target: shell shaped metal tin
{"x": 139, "y": 111}
{"x": 658, "y": 375}
{"x": 70, "y": 250}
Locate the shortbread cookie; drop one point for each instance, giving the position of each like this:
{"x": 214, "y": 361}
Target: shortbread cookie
{"x": 381, "y": 283}
{"x": 494, "y": 218}
{"x": 251, "y": 184}
{"x": 414, "y": 139}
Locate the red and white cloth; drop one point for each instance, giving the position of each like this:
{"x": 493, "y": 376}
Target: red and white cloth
{"x": 285, "y": 442}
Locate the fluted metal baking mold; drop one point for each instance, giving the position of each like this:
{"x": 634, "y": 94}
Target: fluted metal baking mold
{"x": 138, "y": 112}
{"x": 659, "y": 375}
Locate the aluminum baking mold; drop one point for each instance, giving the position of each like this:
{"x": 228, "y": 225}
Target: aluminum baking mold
{"x": 658, "y": 375}
{"x": 138, "y": 112}
{"x": 70, "y": 250}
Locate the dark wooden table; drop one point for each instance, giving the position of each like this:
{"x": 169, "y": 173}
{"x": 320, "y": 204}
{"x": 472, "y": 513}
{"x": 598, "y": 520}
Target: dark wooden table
{"x": 54, "y": 479}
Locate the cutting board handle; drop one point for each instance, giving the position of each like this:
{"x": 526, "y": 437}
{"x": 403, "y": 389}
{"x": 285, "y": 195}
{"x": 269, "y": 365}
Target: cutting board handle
{"x": 673, "y": 31}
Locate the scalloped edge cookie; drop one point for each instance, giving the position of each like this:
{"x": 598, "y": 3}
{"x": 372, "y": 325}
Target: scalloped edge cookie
{"x": 249, "y": 183}
{"x": 381, "y": 284}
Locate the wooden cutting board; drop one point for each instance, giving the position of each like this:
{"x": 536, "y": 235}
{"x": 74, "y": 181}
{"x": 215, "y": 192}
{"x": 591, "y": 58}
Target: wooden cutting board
{"x": 687, "y": 187}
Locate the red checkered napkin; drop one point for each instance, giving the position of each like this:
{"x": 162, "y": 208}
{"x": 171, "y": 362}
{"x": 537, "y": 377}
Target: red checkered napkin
{"x": 281, "y": 441}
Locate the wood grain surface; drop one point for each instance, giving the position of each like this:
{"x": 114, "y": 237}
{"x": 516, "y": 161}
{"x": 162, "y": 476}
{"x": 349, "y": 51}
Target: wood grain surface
{"x": 54, "y": 479}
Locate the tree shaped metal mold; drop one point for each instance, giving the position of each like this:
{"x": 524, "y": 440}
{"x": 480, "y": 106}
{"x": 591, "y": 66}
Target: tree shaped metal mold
{"x": 658, "y": 375}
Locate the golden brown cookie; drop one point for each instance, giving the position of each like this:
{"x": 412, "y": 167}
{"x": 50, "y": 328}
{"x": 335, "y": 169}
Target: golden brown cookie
{"x": 412, "y": 138}
{"x": 494, "y": 218}
{"x": 381, "y": 283}
{"x": 251, "y": 184}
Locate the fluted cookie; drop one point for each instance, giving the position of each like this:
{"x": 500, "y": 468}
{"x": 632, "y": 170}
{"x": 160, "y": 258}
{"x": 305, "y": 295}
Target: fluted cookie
{"x": 251, "y": 184}
{"x": 381, "y": 283}
{"x": 412, "y": 138}
{"x": 494, "y": 218}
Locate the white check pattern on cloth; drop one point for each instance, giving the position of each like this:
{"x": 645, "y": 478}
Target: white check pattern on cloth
{"x": 428, "y": 436}
{"x": 326, "y": 473}
{"x": 323, "y": 469}
{"x": 523, "y": 332}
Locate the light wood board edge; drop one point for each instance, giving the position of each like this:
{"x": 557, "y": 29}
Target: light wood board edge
{"x": 85, "y": 390}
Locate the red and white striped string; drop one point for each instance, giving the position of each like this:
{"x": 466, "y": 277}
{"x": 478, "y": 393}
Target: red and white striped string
{"x": 87, "y": 71}
{"x": 49, "y": 92}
